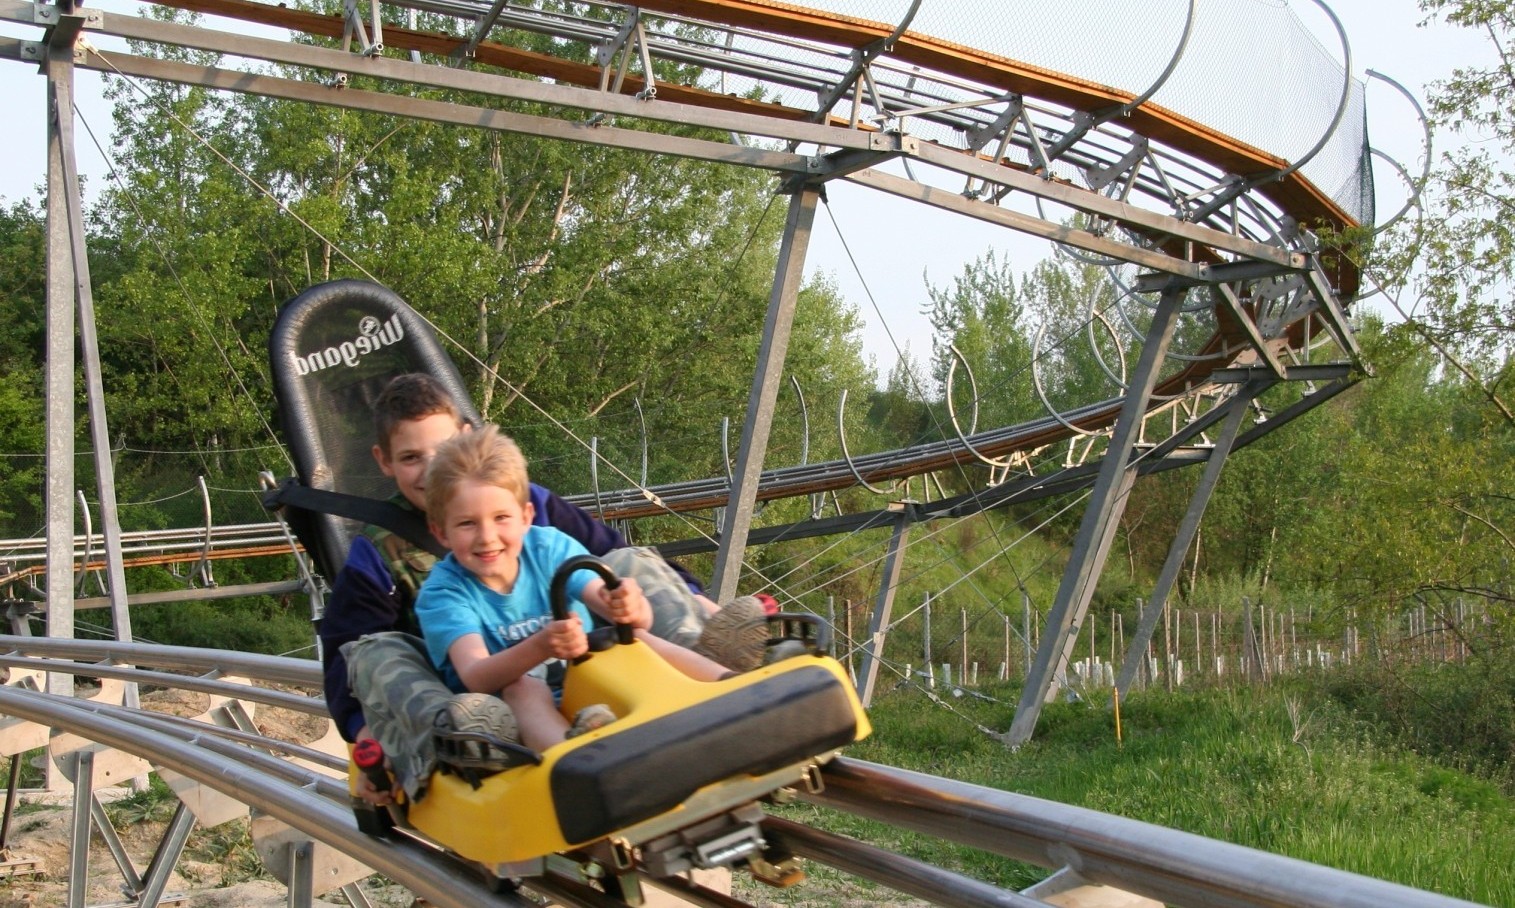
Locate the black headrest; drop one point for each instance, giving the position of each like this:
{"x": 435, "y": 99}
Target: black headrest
{"x": 332, "y": 350}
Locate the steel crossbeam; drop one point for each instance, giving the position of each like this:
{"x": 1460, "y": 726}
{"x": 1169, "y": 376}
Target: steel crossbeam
{"x": 1165, "y": 194}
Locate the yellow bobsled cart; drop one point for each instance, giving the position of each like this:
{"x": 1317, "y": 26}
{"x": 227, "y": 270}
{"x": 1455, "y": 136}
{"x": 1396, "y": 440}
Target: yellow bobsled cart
{"x": 672, "y": 784}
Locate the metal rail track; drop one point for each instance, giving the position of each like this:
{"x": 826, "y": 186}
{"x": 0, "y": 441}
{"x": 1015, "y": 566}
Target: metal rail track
{"x": 1173, "y": 867}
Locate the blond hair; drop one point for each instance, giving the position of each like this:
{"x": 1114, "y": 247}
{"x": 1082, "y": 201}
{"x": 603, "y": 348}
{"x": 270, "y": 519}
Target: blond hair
{"x": 486, "y": 456}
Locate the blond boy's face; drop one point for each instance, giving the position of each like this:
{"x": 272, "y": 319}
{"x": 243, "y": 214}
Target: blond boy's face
{"x": 411, "y": 447}
{"x": 484, "y": 527}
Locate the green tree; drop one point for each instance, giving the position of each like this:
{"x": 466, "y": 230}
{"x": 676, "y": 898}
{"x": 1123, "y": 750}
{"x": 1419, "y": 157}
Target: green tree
{"x": 1086, "y": 344}
{"x": 984, "y": 318}
{"x": 1418, "y": 508}
{"x": 1457, "y": 262}
{"x": 22, "y": 297}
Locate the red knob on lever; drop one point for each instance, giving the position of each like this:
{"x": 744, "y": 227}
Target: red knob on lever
{"x": 368, "y": 754}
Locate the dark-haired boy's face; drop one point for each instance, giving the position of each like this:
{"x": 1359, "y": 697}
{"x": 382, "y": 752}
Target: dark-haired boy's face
{"x": 411, "y": 447}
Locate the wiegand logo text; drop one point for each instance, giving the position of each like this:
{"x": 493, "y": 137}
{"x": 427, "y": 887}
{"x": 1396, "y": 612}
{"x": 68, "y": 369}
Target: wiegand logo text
{"x": 372, "y": 335}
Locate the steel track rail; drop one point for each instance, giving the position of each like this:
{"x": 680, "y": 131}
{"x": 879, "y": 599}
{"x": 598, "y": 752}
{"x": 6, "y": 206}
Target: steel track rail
{"x": 835, "y": 475}
{"x": 284, "y": 700}
{"x": 217, "y": 662}
{"x": 308, "y": 792}
{"x": 428, "y": 874}
{"x": 1174, "y": 867}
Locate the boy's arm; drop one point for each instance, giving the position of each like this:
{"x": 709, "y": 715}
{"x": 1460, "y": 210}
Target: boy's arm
{"x": 624, "y": 605}
{"x": 363, "y": 601}
{"x": 484, "y": 673}
{"x": 561, "y": 514}
{"x": 594, "y": 535}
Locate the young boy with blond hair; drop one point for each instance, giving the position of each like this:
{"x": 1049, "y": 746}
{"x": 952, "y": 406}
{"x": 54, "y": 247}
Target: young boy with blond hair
{"x": 484, "y": 610}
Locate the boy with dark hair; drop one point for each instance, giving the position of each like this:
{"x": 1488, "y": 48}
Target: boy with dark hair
{"x": 375, "y": 593}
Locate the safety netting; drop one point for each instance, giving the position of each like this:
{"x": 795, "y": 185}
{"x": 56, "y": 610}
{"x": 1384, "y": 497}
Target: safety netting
{"x": 1252, "y": 70}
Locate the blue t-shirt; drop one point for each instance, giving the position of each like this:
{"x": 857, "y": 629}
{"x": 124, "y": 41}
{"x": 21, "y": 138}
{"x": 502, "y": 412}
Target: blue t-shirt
{"x": 453, "y": 603}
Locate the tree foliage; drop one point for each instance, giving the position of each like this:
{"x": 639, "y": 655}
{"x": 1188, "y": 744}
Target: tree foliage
{"x": 21, "y": 346}
{"x": 1456, "y": 259}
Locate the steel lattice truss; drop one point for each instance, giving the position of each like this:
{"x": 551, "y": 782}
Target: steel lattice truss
{"x": 1189, "y": 221}
{"x": 1155, "y": 190}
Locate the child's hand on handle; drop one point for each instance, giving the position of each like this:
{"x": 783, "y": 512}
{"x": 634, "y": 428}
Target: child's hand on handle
{"x": 565, "y": 638}
{"x": 626, "y": 605}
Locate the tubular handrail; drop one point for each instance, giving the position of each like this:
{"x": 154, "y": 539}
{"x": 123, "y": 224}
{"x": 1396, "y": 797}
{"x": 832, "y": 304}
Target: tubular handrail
{"x": 312, "y": 706}
{"x": 282, "y": 669}
{"x": 430, "y": 875}
{"x": 1177, "y": 868}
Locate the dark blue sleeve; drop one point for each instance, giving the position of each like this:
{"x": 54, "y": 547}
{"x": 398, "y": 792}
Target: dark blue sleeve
{"x": 363, "y": 601}
{"x": 597, "y": 537}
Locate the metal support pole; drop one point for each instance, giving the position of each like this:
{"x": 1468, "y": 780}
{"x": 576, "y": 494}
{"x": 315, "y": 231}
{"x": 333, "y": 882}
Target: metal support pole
{"x": 12, "y": 784}
{"x": 873, "y": 651}
{"x": 59, "y": 373}
{"x": 113, "y": 844}
{"x": 1091, "y": 545}
{"x": 765, "y": 389}
{"x": 301, "y": 874}
{"x": 926, "y": 640}
{"x": 166, "y": 856}
{"x": 78, "y": 847}
{"x": 1184, "y": 537}
{"x": 89, "y": 347}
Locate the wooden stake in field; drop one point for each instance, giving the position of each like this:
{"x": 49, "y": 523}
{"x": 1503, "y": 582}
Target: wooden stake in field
{"x": 1199, "y": 658}
{"x": 1004, "y": 667}
{"x": 926, "y": 639}
{"x": 1168, "y": 647}
{"x": 963, "y": 672}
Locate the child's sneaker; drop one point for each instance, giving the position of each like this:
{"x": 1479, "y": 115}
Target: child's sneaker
{"x": 591, "y": 717}
{"x": 737, "y": 635}
{"x": 481, "y": 714}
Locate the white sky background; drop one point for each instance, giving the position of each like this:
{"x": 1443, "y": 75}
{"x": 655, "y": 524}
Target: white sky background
{"x": 898, "y": 245}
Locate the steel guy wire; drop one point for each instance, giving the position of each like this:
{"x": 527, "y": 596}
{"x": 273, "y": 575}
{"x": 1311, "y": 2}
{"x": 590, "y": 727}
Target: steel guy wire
{"x": 183, "y": 290}
{"x": 441, "y": 332}
{"x": 936, "y": 421}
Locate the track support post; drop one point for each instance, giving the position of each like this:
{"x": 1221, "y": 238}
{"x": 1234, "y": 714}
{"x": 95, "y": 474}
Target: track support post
{"x": 878, "y": 625}
{"x": 1179, "y": 549}
{"x": 1101, "y": 518}
{"x": 788, "y": 276}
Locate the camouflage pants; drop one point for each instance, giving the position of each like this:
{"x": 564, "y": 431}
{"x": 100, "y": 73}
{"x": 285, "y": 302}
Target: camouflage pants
{"x": 676, "y": 616}
{"x": 401, "y": 694}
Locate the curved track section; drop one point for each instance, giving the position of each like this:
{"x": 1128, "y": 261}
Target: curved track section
{"x": 1085, "y": 846}
{"x": 1114, "y": 155}
{"x": 1154, "y": 187}
{"x": 1107, "y": 145}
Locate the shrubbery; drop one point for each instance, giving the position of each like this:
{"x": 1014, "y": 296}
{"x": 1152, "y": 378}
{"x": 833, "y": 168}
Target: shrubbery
{"x": 1459, "y": 713}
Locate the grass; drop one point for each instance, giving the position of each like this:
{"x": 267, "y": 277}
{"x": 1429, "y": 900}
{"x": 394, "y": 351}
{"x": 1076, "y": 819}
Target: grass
{"x": 1283, "y": 771}
{"x": 154, "y": 804}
